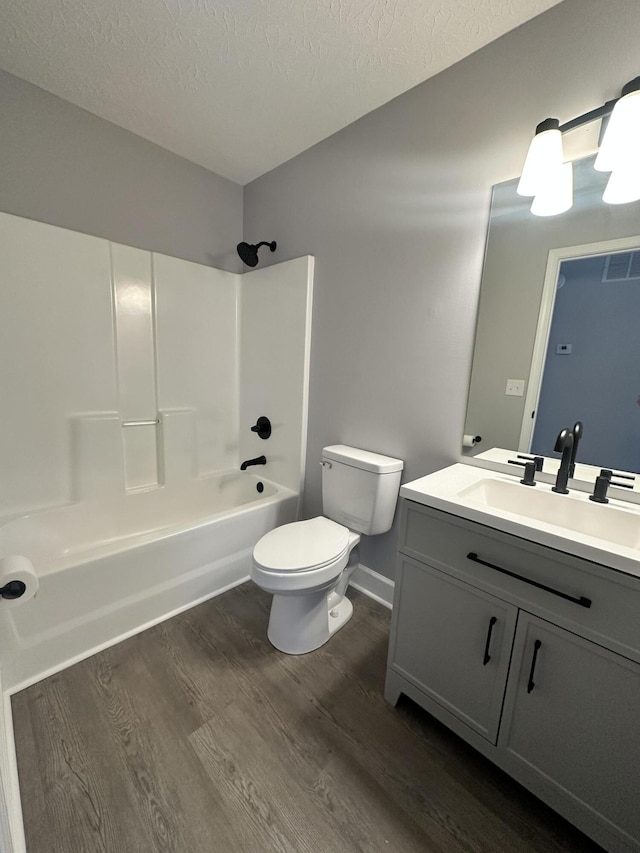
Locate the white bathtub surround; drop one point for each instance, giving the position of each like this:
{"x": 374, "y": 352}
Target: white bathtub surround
{"x": 133, "y": 301}
{"x": 178, "y": 439}
{"x": 97, "y": 462}
{"x": 274, "y": 299}
{"x": 58, "y": 355}
{"x": 373, "y": 584}
{"x": 98, "y": 335}
{"x": 196, "y": 354}
{"x": 133, "y": 295}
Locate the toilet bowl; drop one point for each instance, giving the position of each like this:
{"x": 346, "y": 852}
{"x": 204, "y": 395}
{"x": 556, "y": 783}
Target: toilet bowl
{"x": 307, "y": 565}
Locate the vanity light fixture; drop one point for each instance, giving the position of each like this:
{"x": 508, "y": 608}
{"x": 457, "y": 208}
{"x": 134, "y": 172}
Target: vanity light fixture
{"x": 556, "y": 195}
{"x": 544, "y": 158}
{"x": 546, "y": 176}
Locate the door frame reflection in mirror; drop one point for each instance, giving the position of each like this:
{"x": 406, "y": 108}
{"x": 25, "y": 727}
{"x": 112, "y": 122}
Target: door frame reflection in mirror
{"x": 555, "y": 259}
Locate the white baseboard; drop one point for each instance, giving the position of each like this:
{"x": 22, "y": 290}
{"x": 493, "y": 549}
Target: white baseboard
{"x": 374, "y": 585}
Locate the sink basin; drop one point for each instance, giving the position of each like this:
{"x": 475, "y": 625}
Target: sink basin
{"x": 572, "y": 512}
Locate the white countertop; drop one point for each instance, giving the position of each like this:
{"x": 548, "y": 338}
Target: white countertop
{"x": 444, "y": 490}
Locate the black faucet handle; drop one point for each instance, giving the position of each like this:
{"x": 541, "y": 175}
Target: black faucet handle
{"x": 529, "y": 478}
{"x": 539, "y": 460}
{"x": 262, "y": 427}
{"x": 607, "y": 472}
{"x": 600, "y": 489}
{"x": 530, "y": 468}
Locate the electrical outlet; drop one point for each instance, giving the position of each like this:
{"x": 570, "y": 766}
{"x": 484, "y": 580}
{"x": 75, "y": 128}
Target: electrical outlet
{"x": 515, "y": 387}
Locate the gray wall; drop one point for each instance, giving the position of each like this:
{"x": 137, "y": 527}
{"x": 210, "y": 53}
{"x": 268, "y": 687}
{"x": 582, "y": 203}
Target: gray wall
{"x": 65, "y": 166}
{"x": 395, "y": 209}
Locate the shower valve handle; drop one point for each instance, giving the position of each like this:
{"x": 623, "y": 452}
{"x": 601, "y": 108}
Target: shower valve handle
{"x": 263, "y": 427}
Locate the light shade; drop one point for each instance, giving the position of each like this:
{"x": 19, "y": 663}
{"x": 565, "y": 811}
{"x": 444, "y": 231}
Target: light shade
{"x": 556, "y": 196}
{"x": 621, "y": 143}
{"x": 544, "y": 159}
{"x": 623, "y": 185}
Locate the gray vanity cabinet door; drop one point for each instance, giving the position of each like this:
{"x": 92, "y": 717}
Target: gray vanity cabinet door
{"x": 453, "y": 642}
{"x": 570, "y": 727}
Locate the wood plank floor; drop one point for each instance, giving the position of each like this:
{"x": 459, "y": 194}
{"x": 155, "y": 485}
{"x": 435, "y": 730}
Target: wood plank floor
{"x": 197, "y": 736}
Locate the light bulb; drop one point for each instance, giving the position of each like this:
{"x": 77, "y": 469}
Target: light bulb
{"x": 556, "y": 196}
{"x": 544, "y": 158}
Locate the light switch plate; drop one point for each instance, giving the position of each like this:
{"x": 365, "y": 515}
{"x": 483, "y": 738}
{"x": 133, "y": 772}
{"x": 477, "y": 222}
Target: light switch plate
{"x": 515, "y": 387}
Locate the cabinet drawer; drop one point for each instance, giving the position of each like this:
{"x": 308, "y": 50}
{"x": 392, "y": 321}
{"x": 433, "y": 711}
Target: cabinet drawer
{"x": 549, "y": 583}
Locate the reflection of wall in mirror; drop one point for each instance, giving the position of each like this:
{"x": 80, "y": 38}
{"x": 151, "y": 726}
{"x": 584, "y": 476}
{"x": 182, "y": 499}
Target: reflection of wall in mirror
{"x": 516, "y": 257}
{"x": 596, "y": 378}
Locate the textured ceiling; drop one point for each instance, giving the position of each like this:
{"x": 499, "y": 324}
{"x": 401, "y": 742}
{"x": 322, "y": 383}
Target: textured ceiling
{"x": 240, "y": 86}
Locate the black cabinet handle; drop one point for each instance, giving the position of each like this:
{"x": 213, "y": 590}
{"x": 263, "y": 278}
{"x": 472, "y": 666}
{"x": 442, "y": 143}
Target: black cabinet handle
{"x": 531, "y": 683}
{"x": 487, "y": 656}
{"x": 581, "y": 600}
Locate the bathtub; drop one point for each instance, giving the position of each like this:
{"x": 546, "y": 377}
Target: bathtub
{"x": 110, "y": 568}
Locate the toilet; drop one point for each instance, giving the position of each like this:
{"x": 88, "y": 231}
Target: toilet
{"x": 306, "y": 565}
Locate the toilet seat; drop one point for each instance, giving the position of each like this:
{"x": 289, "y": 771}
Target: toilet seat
{"x": 302, "y": 556}
{"x": 302, "y": 546}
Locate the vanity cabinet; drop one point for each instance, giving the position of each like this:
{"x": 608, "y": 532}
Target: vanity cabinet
{"x": 532, "y": 656}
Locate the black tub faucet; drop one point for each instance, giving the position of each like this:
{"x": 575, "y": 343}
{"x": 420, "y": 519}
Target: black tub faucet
{"x": 259, "y": 460}
{"x": 564, "y": 445}
{"x": 577, "y": 435}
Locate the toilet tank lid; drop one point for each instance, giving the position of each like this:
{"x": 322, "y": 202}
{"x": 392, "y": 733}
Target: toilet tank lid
{"x": 364, "y": 459}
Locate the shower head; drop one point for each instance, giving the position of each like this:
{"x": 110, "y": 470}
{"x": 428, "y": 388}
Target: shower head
{"x": 249, "y": 253}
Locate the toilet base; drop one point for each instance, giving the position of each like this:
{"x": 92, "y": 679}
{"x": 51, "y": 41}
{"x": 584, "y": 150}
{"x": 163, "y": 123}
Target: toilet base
{"x": 302, "y": 623}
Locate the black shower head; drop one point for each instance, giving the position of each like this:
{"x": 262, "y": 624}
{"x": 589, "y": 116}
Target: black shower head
{"x": 249, "y": 253}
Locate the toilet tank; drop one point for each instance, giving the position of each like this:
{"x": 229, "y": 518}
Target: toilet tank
{"x": 360, "y": 488}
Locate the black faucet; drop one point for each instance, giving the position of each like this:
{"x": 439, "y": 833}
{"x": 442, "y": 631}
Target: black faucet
{"x": 564, "y": 445}
{"x": 259, "y": 460}
{"x": 577, "y": 435}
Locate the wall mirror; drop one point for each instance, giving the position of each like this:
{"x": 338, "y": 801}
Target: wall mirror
{"x": 557, "y": 336}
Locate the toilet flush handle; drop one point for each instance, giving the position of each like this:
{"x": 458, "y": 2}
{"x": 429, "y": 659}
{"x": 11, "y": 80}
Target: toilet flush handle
{"x": 325, "y": 464}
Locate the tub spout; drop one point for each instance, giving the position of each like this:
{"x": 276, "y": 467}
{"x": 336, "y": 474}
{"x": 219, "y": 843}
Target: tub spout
{"x": 259, "y": 460}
